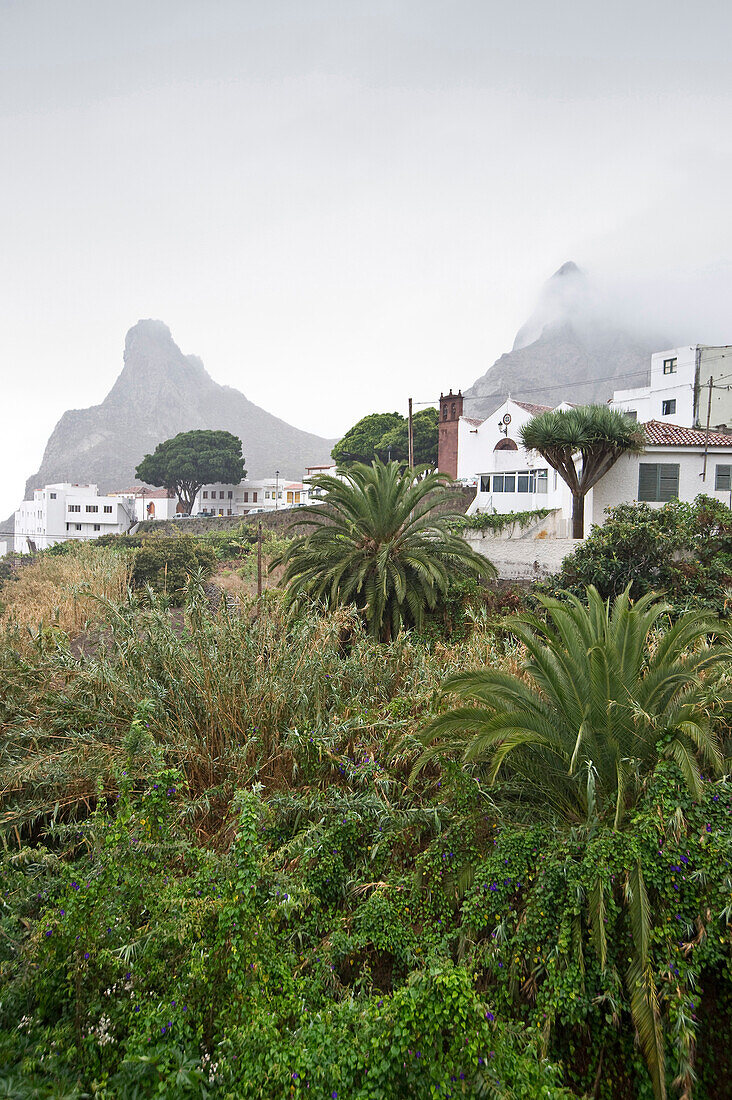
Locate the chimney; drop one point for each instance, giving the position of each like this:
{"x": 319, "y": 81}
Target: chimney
{"x": 451, "y": 409}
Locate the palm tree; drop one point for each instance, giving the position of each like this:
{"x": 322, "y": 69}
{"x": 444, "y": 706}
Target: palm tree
{"x": 583, "y": 724}
{"x": 598, "y": 701}
{"x": 598, "y": 435}
{"x": 381, "y": 542}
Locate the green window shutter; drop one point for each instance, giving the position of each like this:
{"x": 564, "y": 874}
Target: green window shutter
{"x": 668, "y": 481}
{"x": 647, "y": 480}
{"x": 722, "y": 478}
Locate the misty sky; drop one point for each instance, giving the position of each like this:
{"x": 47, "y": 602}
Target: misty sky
{"x": 338, "y": 204}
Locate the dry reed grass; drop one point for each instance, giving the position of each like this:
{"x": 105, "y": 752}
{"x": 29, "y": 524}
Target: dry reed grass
{"x": 62, "y": 591}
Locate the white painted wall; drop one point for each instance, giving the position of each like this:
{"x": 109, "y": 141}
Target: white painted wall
{"x": 620, "y": 484}
{"x": 678, "y": 385}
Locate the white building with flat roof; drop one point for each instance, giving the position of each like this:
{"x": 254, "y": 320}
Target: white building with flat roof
{"x": 265, "y": 494}
{"x": 64, "y": 511}
{"x": 689, "y": 386}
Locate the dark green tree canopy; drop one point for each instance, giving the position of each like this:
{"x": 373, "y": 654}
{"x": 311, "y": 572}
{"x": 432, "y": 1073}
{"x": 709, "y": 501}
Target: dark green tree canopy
{"x": 394, "y": 444}
{"x": 192, "y": 459}
{"x": 384, "y": 436}
{"x": 582, "y": 444}
{"x": 361, "y": 442}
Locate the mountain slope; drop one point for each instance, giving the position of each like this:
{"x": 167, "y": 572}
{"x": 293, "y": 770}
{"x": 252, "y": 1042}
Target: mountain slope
{"x": 570, "y": 349}
{"x": 159, "y": 393}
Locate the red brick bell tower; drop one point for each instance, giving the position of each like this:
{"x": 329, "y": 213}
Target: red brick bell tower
{"x": 451, "y": 409}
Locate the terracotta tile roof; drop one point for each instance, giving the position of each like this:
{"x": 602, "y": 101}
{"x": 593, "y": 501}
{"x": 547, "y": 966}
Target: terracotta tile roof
{"x": 533, "y": 409}
{"x": 659, "y": 434}
{"x": 472, "y": 420}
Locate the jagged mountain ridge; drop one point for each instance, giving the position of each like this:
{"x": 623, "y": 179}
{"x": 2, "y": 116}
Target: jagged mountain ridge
{"x": 570, "y": 349}
{"x": 159, "y": 393}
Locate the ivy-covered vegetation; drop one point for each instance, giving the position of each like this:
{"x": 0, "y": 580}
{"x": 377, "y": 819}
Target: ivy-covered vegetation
{"x": 229, "y": 869}
{"x": 497, "y": 522}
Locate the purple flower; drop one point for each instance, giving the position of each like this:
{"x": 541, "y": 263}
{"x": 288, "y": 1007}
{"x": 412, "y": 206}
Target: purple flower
{"x": 86, "y": 954}
{"x": 490, "y": 1016}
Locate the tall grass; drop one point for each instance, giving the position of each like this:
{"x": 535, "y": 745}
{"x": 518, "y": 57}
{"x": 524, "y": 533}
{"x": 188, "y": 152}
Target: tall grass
{"x": 228, "y": 698}
{"x": 61, "y": 591}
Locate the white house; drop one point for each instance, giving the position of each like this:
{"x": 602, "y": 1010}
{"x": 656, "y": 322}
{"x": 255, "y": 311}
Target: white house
{"x": 678, "y": 463}
{"x": 149, "y": 503}
{"x": 679, "y": 391}
{"x": 266, "y": 494}
{"x": 58, "y": 513}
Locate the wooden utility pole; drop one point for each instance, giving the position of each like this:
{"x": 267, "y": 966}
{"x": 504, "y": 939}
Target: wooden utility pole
{"x": 411, "y": 437}
{"x": 706, "y": 437}
{"x": 259, "y": 561}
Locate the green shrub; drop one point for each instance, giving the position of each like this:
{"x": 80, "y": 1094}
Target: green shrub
{"x": 166, "y": 564}
{"x": 683, "y": 550}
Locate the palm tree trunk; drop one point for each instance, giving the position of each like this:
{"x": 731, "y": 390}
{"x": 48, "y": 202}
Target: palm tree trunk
{"x": 578, "y": 515}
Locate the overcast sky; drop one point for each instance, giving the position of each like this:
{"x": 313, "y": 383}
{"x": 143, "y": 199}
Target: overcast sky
{"x": 338, "y": 204}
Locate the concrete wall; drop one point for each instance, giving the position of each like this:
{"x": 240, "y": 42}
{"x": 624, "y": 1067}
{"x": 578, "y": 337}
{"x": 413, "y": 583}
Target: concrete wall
{"x": 521, "y": 559}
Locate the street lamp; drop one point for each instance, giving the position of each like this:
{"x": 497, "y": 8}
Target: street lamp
{"x": 277, "y": 487}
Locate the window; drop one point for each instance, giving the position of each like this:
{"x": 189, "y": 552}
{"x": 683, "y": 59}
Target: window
{"x": 266, "y": 494}
{"x": 525, "y": 480}
{"x": 723, "y": 479}
{"x": 658, "y": 481}
{"x": 246, "y": 498}
{"x": 542, "y": 481}
{"x": 668, "y": 408}
{"x": 504, "y": 483}
{"x": 254, "y": 498}
{"x": 68, "y": 526}
{"x": 669, "y": 366}
{"x": 97, "y": 526}
{"x": 205, "y": 494}
{"x": 444, "y": 412}
{"x": 74, "y": 507}
{"x": 77, "y": 526}
{"x": 228, "y": 511}
{"x": 92, "y": 507}
{"x": 632, "y": 414}
{"x": 230, "y": 494}
{"x": 279, "y": 495}
{"x": 52, "y": 496}
{"x": 108, "y": 509}
{"x": 221, "y": 497}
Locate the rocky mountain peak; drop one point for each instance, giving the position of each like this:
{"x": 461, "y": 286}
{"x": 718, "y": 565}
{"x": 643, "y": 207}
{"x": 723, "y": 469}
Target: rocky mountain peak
{"x": 160, "y": 392}
{"x": 571, "y": 348}
{"x": 566, "y": 298}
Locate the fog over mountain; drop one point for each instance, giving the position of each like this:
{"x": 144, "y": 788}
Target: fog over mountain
{"x": 159, "y": 393}
{"x": 572, "y": 348}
